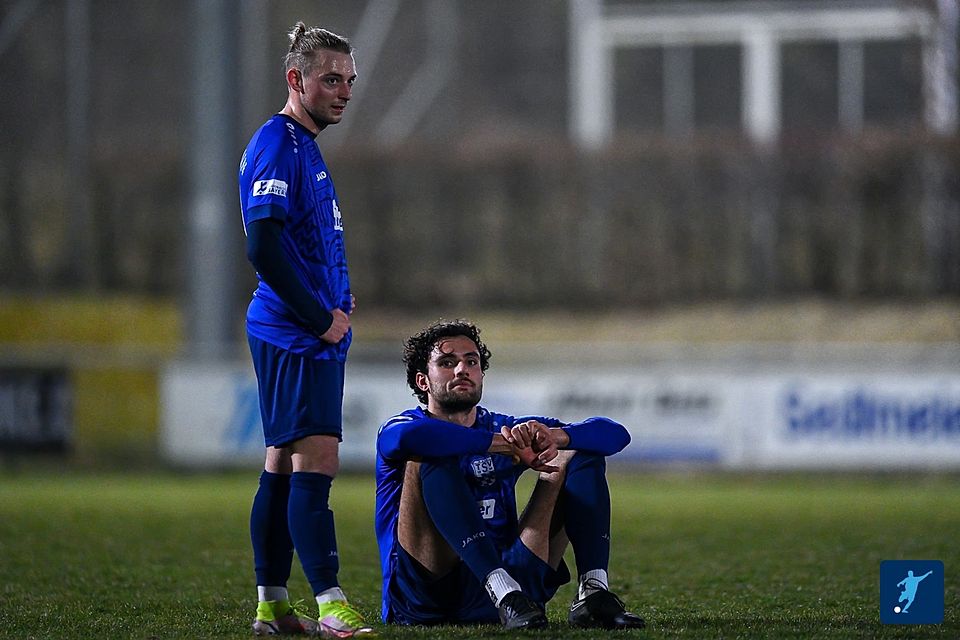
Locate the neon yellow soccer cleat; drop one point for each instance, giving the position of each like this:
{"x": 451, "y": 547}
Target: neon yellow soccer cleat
{"x": 339, "y": 620}
{"x": 269, "y": 622}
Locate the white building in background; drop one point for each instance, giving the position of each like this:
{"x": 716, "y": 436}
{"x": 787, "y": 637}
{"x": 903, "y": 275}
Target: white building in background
{"x": 760, "y": 28}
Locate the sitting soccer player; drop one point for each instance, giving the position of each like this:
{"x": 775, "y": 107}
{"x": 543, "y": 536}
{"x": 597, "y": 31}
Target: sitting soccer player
{"x": 452, "y": 549}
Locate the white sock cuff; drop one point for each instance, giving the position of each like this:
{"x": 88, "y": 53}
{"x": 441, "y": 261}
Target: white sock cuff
{"x": 330, "y": 595}
{"x": 499, "y": 583}
{"x": 267, "y": 594}
{"x": 600, "y": 575}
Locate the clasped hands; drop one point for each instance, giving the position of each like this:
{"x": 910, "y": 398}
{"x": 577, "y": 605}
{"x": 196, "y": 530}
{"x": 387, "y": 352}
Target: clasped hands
{"x": 534, "y": 444}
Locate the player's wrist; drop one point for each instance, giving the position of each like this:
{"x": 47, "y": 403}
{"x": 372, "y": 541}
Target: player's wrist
{"x": 499, "y": 445}
{"x": 323, "y": 321}
{"x": 560, "y": 437}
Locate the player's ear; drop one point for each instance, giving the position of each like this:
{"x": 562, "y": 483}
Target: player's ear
{"x": 421, "y": 380}
{"x": 295, "y": 79}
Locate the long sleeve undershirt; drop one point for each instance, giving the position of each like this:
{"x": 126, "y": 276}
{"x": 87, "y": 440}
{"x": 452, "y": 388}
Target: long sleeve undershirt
{"x": 432, "y": 438}
{"x": 597, "y": 435}
{"x": 265, "y": 252}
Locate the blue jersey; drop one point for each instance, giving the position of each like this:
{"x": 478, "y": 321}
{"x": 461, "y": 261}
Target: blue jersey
{"x": 492, "y": 478}
{"x": 282, "y": 166}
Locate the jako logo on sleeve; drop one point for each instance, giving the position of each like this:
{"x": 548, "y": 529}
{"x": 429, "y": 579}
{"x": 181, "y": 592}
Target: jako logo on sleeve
{"x": 911, "y": 592}
{"x": 270, "y": 188}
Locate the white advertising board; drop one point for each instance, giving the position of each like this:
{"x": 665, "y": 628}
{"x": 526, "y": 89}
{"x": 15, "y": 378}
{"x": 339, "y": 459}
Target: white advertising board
{"x": 210, "y": 415}
{"x": 670, "y": 417}
{"x": 882, "y": 421}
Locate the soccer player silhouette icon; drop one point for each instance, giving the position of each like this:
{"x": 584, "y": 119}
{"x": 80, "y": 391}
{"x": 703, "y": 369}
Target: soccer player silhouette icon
{"x": 909, "y": 585}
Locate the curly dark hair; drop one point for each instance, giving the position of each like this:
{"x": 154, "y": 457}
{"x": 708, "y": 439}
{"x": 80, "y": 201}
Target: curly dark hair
{"x": 417, "y": 349}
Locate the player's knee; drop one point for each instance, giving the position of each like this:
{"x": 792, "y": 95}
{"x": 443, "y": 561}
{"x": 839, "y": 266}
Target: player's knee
{"x": 584, "y": 460}
{"x": 277, "y": 460}
{"x": 441, "y": 478}
{"x": 324, "y": 466}
{"x": 317, "y": 462}
{"x": 316, "y": 454}
{"x": 440, "y": 468}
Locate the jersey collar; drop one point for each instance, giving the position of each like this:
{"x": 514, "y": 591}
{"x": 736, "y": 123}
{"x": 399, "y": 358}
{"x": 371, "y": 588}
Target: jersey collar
{"x": 303, "y": 129}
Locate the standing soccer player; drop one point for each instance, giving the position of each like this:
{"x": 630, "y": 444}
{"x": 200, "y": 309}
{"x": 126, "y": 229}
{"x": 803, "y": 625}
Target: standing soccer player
{"x": 298, "y": 327}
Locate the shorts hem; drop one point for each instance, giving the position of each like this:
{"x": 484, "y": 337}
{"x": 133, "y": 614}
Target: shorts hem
{"x": 300, "y": 434}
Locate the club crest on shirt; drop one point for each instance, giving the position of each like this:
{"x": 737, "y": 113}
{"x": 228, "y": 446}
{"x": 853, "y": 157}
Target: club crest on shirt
{"x": 483, "y": 470}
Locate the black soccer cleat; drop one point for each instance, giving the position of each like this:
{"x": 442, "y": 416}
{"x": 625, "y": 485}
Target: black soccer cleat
{"x": 603, "y": 610}
{"x": 517, "y": 611}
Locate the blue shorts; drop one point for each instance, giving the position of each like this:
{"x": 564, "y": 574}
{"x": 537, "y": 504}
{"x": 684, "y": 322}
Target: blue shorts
{"x": 458, "y": 597}
{"x": 299, "y": 396}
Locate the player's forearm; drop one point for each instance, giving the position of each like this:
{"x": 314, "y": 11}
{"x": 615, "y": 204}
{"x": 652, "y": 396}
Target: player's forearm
{"x": 430, "y": 438}
{"x": 597, "y": 435}
{"x": 500, "y": 446}
{"x": 265, "y": 252}
{"x": 560, "y": 438}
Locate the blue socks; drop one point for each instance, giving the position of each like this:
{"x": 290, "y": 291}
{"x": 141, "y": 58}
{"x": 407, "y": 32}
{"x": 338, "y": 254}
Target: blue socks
{"x": 272, "y": 546}
{"x": 454, "y": 512}
{"x": 312, "y": 530}
{"x": 293, "y": 511}
{"x": 587, "y": 511}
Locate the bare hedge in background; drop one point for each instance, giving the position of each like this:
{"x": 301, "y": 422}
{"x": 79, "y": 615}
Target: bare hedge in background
{"x": 520, "y": 226}
{"x": 647, "y": 224}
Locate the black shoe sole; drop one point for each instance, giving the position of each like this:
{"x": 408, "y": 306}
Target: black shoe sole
{"x": 534, "y": 623}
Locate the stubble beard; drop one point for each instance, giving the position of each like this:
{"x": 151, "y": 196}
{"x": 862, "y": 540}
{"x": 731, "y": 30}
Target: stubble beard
{"x": 320, "y": 122}
{"x": 456, "y": 401}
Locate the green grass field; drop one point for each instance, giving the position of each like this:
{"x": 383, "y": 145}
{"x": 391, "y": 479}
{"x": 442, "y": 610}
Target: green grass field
{"x": 160, "y": 555}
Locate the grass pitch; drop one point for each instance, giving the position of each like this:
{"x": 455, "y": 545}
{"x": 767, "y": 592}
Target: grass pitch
{"x": 699, "y": 556}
